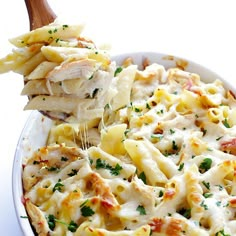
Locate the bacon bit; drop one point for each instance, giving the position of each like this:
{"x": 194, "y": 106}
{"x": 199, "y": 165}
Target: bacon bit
{"x": 174, "y": 228}
{"x": 158, "y": 130}
{"x": 229, "y": 146}
{"x": 169, "y": 194}
{"x": 188, "y": 85}
{"x": 43, "y": 119}
{"x": 23, "y": 166}
{"x": 107, "y": 204}
{"x": 40, "y": 223}
{"x": 95, "y": 200}
{"x": 24, "y": 200}
{"x": 232, "y": 202}
{"x": 156, "y": 224}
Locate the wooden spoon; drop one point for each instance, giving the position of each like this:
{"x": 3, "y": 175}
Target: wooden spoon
{"x": 40, "y": 13}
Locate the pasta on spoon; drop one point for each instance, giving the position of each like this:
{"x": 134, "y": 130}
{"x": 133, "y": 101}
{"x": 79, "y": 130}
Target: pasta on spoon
{"x": 66, "y": 76}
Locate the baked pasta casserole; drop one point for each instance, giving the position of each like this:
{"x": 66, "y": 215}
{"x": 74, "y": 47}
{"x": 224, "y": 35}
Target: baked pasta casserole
{"x": 153, "y": 155}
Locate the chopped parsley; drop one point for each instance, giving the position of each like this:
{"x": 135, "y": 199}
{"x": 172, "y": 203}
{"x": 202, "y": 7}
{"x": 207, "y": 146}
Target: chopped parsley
{"x": 205, "y": 165}
{"x": 137, "y": 109}
{"x": 52, "y": 168}
{"x": 142, "y": 176}
{"x": 36, "y": 162}
{"x": 204, "y": 205}
{"x": 65, "y": 26}
{"x": 101, "y": 164}
{"x": 64, "y": 158}
{"x": 107, "y": 106}
{"x": 95, "y": 92}
{"x": 157, "y": 136}
{"x": 117, "y": 71}
{"x": 51, "y": 219}
{"x": 206, "y": 184}
{"x": 220, "y": 187}
{"x": 161, "y": 193}
{"x": 58, "y": 186}
{"x": 72, "y": 227}
{"x": 185, "y": 212}
{"x": 207, "y": 195}
{"x": 148, "y": 106}
{"x": 222, "y": 233}
{"x": 181, "y": 166}
{"x": 87, "y": 211}
{"x": 174, "y": 146}
{"x": 73, "y": 172}
{"x": 90, "y": 77}
{"x": 160, "y": 111}
{"x": 172, "y": 131}
{"x": 126, "y": 132}
{"x": 116, "y": 170}
{"x": 141, "y": 210}
{"x": 219, "y": 138}
{"x": 51, "y": 222}
{"x": 225, "y": 123}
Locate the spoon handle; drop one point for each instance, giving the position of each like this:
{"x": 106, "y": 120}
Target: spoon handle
{"x": 40, "y": 13}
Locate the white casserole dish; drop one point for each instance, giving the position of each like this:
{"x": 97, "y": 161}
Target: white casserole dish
{"x": 35, "y": 132}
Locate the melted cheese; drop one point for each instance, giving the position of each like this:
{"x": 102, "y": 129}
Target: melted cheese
{"x": 163, "y": 163}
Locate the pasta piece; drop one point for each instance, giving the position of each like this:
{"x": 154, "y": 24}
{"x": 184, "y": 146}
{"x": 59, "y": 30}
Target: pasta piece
{"x": 123, "y": 84}
{"x": 150, "y": 160}
{"x": 41, "y": 70}
{"x": 47, "y": 33}
{"x": 18, "y": 57}
{"x": 112, "y": 139}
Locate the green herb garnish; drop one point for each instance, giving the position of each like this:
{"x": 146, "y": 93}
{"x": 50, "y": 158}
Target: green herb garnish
{"x": 142, "y": 176}
{"x": 225, "y": 123}
{"x": 185, "y": 212}
{"x": 86, "y": 211}
{"x": 113, "y": 170}
{"x": 141, "y": 210}
{"x": 117, "y": 71}
{"x": 58, "y": 186}
{"x": 205, "y": 165}
{"x": 181, "y": 166}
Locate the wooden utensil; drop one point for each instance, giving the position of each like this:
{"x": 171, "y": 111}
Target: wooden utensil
{"x": 40, "y": 13}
